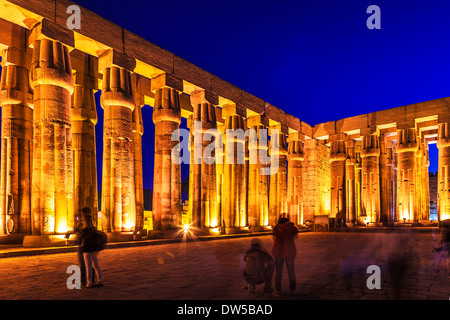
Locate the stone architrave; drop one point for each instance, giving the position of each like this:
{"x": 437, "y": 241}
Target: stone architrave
{"x": 406, "y": 174}
{"x": 16, "y": 100}
{"x": 84, "y": 119}
{"x": 52, "y": 187}
{"x": 167, "y": 171}
{"x": 118, "y": 188}
{"x": 370, "y": 178}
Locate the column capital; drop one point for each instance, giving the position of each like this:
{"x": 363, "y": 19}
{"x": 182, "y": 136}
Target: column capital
{"x": 141, "y": 87}
{"x": 85, "y": 69}
{"x": 370, "y": 145}
{"x": 49, "y": 30}
{"x": 407, "y": 140}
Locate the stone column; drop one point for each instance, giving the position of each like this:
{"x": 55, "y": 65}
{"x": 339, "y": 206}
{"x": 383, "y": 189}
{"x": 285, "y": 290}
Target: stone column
{"x": 141, "y": 86}
{"x": 234, "y": 190}
{"x": 422, "y": 184}
{"x": 118, "y": 187}
{"x": 167, "y": 211}
{"x": 84, "y": 119}
{"x": 388, "y": 181}
{"x": 203, "y": 129}
{"x": 16, "y": 100}
{"x": 350, "y": 184}
{"x": 358, "y": 182}
{"x": 52, "y": 188}
{"x": 338, "y": 156}
{"x": 258, "y": 177}
{"x": 278, "y": 174}
{"x": 443, "y": 144}
{"x": 295, "y": 159}
{"x": 370, "y": 178}
{"x": 406, "y": 174}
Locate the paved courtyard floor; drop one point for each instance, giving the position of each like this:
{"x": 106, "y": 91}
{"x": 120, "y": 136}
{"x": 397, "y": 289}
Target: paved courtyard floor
{"x": 330, "y": 266}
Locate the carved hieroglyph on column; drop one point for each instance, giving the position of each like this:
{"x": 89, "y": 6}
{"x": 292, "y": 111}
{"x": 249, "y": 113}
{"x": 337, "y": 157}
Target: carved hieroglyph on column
{"x": 350, "y": 184}
{"x": 234, "y": 190}
{"x": 84, "y": 119}
{"x": 258, "y": 177}
{"x": 167, "y": 171}
{"x": 17, "y": 138}
{"x": 294, "y": 184}
{"x": 278, "y": 177}
{"x": 406, "y": 174}
{"x": 52, "y": 195}
{"x": 118, "y": 190}
{"x": 443, "y": 143}
{"x": 337, "y": 159}
{"x": 204, "y": 185}
{"x": 370, "y": 178}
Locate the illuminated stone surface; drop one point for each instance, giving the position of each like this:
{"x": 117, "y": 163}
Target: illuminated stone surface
{"x": 366, "y": 169}
{"x": 16, "y": 100}
{"x": 52, "y": 187}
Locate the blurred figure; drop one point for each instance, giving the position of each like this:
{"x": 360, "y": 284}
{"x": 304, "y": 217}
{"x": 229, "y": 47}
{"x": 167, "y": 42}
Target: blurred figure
{"x": 284, "y": 251}
{"x": 258, "y": 267}
{"x": 444, "y": 243}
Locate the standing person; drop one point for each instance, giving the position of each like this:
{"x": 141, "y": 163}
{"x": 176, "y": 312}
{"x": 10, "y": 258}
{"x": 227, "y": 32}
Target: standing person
{"x": 284, "y": 251}
{"x": 258, "y": 267}
{"x": 79, "y": 224}
{"x": 88, "y": 240}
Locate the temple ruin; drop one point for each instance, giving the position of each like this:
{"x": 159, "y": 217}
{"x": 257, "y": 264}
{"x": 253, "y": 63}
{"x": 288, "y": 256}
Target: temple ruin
{"x": 369, "y": 169}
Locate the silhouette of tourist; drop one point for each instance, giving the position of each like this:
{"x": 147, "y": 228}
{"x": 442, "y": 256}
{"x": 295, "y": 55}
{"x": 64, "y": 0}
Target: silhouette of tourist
{"x": 87, "y": 240}
{"x": 78, "y": 227}
{"x": 258, "y": 267}
{"x": 284, "y": 251}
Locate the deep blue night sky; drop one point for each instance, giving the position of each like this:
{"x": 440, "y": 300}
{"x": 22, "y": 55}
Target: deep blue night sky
{"x": 314, "y": 59}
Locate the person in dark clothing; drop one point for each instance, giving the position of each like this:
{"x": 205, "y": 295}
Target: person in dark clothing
{"x": 78, "y": 227}
{"x": 87, "y": 246}
{"x": 259, "y": 267}
{"x": 284, "y": 251}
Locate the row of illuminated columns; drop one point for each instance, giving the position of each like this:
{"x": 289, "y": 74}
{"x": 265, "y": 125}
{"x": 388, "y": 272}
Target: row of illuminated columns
{"x": 48, "y": 154}
{"x": 381, "y": 180}
{"x": 252, "y": 193}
